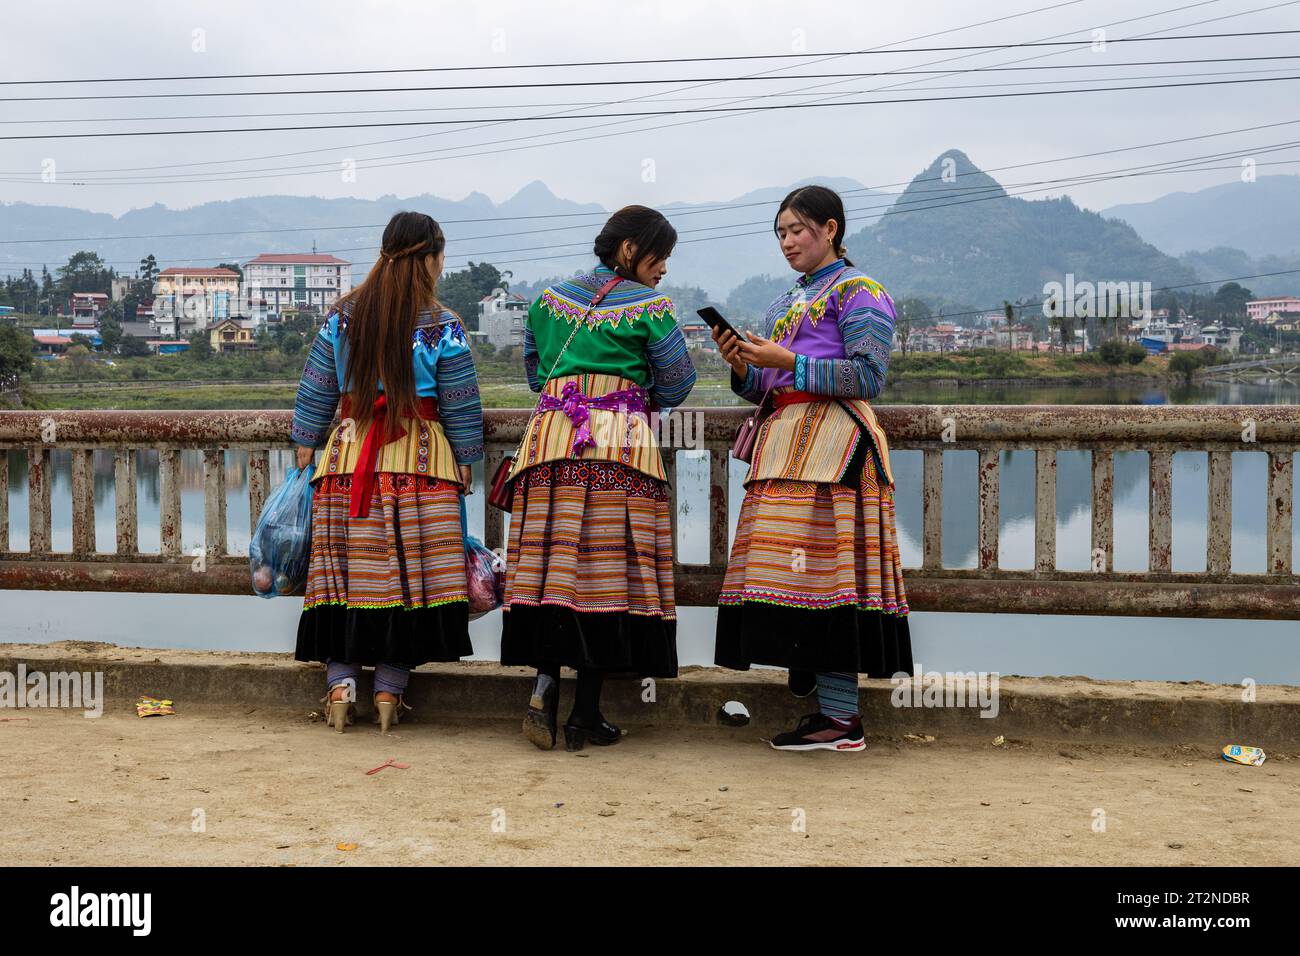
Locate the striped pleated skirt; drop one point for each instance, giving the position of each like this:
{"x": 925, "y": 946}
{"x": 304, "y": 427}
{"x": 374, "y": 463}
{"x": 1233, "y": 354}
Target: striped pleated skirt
{"x": 589, "y": 580}
{"x": 389, "y": 587}
{"x": 815, "y": 582}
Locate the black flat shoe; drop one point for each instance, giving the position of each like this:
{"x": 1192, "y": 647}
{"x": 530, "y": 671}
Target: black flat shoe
{"x": 576, "y": 736}
{"x": 543, "y": 707}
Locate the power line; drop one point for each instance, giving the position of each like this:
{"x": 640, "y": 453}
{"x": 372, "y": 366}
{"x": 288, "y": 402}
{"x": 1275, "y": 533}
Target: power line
{"x": 277, "y": 172}
{"x": 643, "y": 113}
{"x": 624, "y": 63}
{"x": 958, "y": 29}
{"x": 596, "y": 83}
{"x": 671, "y": 98}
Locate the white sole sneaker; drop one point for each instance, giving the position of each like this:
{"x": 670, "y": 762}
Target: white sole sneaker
{"x": 847, "y": 746}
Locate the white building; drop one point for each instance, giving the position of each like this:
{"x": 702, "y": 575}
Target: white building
{"x": 186, "y": 299}
{"x": 501, "y": 319}
{"x": 286, "y": 281}
{"x": 1225, "y": 337}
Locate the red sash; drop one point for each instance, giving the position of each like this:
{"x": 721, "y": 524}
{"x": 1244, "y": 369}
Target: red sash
{"x": 363, "y": 475}
{"x": 781, "y": 399}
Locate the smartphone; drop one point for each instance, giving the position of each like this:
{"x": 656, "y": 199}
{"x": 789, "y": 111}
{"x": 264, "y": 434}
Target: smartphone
{"x": 715, "y": 321}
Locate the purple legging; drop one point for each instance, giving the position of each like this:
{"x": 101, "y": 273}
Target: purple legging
{"x": 389, "y": 678}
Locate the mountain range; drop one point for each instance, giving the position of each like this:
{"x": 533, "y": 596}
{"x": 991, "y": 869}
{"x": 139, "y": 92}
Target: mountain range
{"x": 953, "y": 236}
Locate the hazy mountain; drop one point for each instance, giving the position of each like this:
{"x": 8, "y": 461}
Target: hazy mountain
{"x": 1261, "y": 218}
{"x": 532, "y": 248}
{"x": 957, "y": 240}
{"x": 1224, "y": 263}
{"x": 961, "y": 240}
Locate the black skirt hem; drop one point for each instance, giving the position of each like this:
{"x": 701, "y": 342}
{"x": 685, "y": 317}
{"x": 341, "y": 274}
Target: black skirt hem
{"x": 845, "y": 638}
{"x": 614, "y": 642}
{"x": 388, "y": 635}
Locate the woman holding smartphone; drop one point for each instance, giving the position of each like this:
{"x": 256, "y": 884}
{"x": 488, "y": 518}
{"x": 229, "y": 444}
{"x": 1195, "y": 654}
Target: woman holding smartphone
{"x": 386, "y": 582}
{"x": 815, "y": 583}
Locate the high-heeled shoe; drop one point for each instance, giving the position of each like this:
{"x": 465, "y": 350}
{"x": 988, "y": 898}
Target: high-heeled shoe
{"x": 338, "y": 713}
{"x": 603, "y": 734}
{"x": 543, "y": 712}
{"x": 388, "y": 713}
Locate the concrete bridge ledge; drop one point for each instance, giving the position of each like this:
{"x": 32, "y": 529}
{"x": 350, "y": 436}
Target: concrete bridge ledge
{"x": 1067, "y": 709}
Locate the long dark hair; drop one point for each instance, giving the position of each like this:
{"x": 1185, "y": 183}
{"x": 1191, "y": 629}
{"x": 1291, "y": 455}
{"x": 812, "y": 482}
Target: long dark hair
{"x": 816, "y": 204}
{"x": 381, "y": 324}
{"x": 652, "y": 234}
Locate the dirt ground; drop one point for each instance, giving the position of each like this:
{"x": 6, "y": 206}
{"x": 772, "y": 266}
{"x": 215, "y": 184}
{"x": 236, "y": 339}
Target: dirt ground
{"x": 272, "y": 788}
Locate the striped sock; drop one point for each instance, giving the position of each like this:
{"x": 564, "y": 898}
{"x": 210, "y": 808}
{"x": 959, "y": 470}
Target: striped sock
{"x": 837, "y": 695}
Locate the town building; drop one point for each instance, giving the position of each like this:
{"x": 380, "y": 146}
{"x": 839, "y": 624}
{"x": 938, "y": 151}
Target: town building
{"x": 190, "y": 298}
{"x": 501, "y": 319}
{"x": 120, "y": 286}
{"x": 231, "y": 335}
{"x": 697, "y": 335}
{"x": 1224, "y": 337}
{"x": 1283, "y": 321}
{"x": 168, "y": 346}
{"x": 284, "y": 281}
{"x": 1257, "y": 310}
{"x": 86, "y": 308}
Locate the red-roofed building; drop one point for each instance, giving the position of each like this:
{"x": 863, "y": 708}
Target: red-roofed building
{"x": 51, "y": 344}
{"x": 289, "y": 280}
{"x": 87, "y": 307}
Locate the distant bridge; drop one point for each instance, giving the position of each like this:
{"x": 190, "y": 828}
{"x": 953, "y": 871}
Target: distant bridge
{"x": 1276, "y": 366}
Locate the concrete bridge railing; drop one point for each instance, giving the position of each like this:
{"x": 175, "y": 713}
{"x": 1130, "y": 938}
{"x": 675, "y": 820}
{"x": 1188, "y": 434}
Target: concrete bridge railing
{"x": 1102, "y": 430}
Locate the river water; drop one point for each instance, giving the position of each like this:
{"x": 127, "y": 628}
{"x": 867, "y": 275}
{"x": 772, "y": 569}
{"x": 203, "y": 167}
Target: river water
{"x": 1219, "y": 650}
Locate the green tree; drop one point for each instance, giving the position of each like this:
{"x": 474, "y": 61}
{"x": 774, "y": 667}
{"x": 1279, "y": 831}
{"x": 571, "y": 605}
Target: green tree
{"x": 84, "y": 272}
{"x": 461, "y": 291}
{"x": 15, "y": 354}
{"x": 110, "y": 333}
{"x": 148, "y": 270}
{"x": 200, "y": 347}
{"x": 1184, "y": 364}
{"x": 80, "y": 358}
{"x": 910, "y": 313}
{"x": 1113, "y": 352}
{"x": 133, "y": 346}
{"x": 291, "y": 342}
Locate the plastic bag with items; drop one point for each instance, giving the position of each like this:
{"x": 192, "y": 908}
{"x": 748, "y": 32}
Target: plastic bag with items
{"x": 485, "y": 572}
{"x": 280, "y": 550}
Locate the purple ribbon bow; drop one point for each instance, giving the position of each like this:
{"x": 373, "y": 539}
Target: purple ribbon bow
{"x": 575, "y": 406}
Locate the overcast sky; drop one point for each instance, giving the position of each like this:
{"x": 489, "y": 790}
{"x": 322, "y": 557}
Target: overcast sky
{"x": 648, "y": 160}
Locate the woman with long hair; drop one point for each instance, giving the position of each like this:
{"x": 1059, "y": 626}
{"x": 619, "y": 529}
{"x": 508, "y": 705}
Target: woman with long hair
{"x": 386, "y": 583}
{"x": 815, "y": 584}
{"x": 589, "y": 581}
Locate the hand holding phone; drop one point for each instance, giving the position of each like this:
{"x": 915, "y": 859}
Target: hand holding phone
{"x": 715, "y": 321}
{"x": 730, "y": 348}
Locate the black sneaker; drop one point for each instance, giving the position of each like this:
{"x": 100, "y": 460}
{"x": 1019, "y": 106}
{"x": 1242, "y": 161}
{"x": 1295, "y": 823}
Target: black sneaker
{"x": 819, "y": 732}
{"x": 802, "y": 683}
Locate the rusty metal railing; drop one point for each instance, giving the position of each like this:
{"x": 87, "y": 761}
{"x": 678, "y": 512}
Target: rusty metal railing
{"x": 1102, "y": 430}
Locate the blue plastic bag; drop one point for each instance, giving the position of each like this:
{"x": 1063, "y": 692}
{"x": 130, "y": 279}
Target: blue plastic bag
{"x": 485, "y": 572}
{"x": 280, "y": 550}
